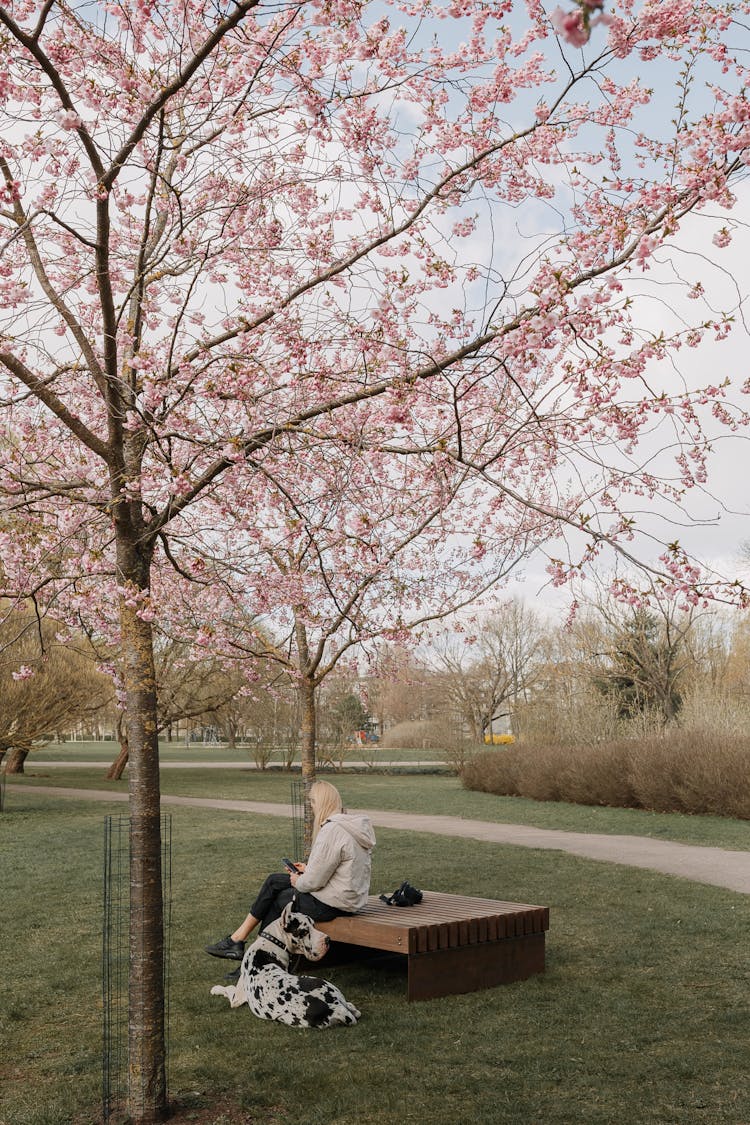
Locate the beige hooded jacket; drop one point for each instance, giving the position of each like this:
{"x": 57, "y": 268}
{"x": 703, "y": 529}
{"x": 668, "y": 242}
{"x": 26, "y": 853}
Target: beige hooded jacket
{"x": 340, "y": 863}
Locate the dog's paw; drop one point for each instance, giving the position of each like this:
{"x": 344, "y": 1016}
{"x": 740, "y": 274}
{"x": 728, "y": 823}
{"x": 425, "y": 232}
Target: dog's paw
{"x": 343, "y": 1014}
{"x": 219, "y": 990}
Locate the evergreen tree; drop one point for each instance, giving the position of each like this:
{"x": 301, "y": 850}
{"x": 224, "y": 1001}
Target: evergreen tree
{"x": 644, "y": 665}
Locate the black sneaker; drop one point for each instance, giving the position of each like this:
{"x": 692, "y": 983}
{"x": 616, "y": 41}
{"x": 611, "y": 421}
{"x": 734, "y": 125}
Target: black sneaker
{"x": 232, "y": 950}
{"x": 234, "y": 976}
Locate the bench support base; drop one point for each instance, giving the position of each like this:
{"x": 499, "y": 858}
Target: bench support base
{"x": 452, "y": 972}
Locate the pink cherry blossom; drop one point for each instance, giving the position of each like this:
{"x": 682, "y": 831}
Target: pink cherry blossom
{"x": 571, "y": 26}
{"x": 68, "y": 119}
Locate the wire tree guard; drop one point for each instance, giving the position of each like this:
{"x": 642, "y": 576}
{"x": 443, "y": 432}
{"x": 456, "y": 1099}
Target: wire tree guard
{"x": 298, "y": 819}
{"x": 115, "y": 927}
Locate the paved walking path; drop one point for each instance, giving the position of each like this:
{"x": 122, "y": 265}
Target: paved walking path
{"x": 180, "y": 765}
{"x": 715, "y": 866}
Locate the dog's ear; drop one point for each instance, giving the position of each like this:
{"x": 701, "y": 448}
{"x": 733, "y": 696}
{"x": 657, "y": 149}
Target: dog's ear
{"x": 292, "y": 922}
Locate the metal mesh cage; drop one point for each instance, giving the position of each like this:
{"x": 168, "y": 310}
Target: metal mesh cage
{"x": 298, "y": 819}
{"x": 115, "y": 928}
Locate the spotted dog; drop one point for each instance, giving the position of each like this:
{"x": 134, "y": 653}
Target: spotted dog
{"x": 273, "y": 993}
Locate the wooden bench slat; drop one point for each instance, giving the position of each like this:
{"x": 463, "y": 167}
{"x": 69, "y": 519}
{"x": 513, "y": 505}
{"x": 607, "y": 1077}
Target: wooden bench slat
{"x": 483, "y": 925}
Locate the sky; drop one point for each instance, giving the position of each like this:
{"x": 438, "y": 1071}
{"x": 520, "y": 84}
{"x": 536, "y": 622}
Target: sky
{"x": 717, "y": 517}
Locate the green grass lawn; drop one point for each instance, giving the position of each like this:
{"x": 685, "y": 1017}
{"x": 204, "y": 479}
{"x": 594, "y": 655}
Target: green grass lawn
{"x": 418, "y": 793}
{"x": 105, "y": 752}
{"x": 642, "y": 1015}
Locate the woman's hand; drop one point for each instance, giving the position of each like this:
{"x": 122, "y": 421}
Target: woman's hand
{"x": 294, "y": 875}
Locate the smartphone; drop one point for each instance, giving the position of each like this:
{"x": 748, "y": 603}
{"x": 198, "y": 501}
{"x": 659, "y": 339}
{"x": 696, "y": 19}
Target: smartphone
{"x": 292, "y": 867}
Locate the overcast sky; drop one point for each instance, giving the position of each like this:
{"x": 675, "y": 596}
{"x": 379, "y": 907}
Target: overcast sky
{"x": 717, "y": 518}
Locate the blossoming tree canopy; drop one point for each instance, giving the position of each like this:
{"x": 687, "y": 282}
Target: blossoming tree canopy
{"x": 237, "y": 233}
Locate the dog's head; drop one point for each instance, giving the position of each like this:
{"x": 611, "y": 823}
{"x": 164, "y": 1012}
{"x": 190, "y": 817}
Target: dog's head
{"x": 301, "y": 935}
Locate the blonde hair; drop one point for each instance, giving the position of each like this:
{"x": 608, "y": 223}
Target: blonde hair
{"x": 327, "y": 802}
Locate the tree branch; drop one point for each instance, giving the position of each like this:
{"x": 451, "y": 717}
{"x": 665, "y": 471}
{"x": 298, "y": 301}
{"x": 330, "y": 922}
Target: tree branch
{"x": 243, "y": 7}
{"x": 56, "y": 405}
{"x": 55, "y": 299}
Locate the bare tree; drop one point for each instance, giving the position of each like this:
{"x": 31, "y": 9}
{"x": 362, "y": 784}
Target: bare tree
{"x": 483, "y": 678}
{"x": 397, "y": 688}
{"x": 187, "y": 688}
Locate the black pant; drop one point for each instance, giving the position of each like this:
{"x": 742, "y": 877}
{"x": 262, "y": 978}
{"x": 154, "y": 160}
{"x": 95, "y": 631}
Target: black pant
{"x": 277, "y": 891}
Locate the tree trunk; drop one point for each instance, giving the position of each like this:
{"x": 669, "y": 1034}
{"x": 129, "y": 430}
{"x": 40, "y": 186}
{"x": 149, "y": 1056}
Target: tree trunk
{"x": 306, "y": 692}
{"x": 147, "y": 1094}
{"x": 117, "y": 769}
{"x": 307, "y": 749}
{"x": 16, "y": 759}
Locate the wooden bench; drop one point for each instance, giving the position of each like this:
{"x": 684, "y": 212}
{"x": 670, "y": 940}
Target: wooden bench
{"x": 452, "y": 943}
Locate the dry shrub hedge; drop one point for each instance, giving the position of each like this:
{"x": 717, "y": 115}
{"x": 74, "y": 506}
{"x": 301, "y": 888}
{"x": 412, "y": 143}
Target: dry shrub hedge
{"x": 415, "y": 735}
{"x": 677, "y": 771}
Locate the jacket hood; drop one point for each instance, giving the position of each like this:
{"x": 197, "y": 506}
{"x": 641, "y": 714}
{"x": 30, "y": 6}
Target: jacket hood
{"x": 358, "y": 826}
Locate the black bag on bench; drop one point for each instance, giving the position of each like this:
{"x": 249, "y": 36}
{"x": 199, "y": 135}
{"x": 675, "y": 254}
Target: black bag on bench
{"x": 405, "y": 895}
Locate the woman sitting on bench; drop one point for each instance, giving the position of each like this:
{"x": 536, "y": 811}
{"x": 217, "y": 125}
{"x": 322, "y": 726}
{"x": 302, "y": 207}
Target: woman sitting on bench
{"x": 334, "y": 881}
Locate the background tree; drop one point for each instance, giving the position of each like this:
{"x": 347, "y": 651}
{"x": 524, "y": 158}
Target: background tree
{"x": 483, "y": 677}
{"x": 737, "y": 671}
{"x": 564, "y": 708}
{"x": 397, "y": 685}
{"x": 341, "y": 714}
{"x": 645, "y": 660}
{"x": 236, "y": 239}
{"x": 266, "y": 714}
{"x": 188, "y": 687}
{"x": 48, "y": 684}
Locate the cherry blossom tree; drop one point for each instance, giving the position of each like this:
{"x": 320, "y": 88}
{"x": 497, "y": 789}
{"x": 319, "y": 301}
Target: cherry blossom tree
{"x": 237, "y": 237}
{"x": 355, "y": 551}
